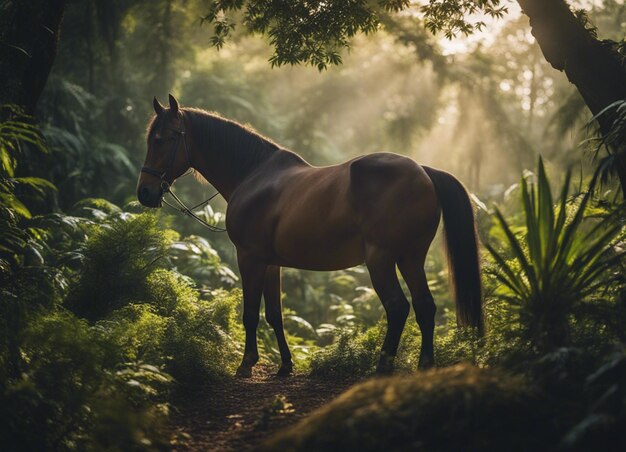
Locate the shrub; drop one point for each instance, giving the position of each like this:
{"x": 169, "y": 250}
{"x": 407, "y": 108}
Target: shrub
{"x": 454, "y": 345}
{"x": 353, "y": 353}
{"x": 138, "y": 332}
{"x": 194, "y": 340}
{"x": 200, "y": 349}
{"x": 118, "y": 258}
{"x": 165, "y": 291}
{"x": 75, "y": 391}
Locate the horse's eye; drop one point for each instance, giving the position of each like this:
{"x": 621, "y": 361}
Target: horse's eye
{"x": 159, "y": 139}
{"x": 164, "y": 139}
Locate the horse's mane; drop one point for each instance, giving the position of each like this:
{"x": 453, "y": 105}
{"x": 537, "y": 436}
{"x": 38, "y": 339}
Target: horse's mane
{"x": 202, "y": 118}
{"x": 212, "y": 131}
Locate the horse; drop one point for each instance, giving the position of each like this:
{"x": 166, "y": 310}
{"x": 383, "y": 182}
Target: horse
{"x": 381, "y": 209}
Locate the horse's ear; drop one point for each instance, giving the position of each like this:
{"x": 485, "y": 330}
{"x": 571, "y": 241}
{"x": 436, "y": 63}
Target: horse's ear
{"x": 158, "y": 108}
{"x": 173, "y": 104}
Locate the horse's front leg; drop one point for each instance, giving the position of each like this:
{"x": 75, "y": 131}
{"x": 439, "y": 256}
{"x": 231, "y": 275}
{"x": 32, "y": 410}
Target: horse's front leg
{"x": 252, "y": 280}
{"x": 274, "y": 316}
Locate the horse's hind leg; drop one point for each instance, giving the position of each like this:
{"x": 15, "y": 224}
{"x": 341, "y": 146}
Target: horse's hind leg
{"x": 382, "y": 270}
{"x": 423, "y": 304}
{"x": 274, "y": 316}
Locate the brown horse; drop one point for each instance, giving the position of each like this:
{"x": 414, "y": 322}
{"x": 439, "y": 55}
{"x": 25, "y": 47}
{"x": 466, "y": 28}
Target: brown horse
{"x": 380, "y": 209}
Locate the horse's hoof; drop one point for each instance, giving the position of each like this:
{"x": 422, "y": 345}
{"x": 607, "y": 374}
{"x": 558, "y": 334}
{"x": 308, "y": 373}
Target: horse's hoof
{"x": 384, "y": 370}
{"x": 244, "y": 372}
{"x": 425, "y": 364}
{"x": 285, "y": 370}
{"x": 385, "y": 365}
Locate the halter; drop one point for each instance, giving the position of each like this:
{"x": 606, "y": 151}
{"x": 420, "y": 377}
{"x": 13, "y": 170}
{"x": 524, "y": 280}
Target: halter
{"x": 166, "y": 187}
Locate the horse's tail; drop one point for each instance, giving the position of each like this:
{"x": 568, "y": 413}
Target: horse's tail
{"x": 462, "y": 247}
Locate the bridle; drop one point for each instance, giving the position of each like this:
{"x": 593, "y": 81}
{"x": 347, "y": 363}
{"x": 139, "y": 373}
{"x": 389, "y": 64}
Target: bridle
{"x": 166, "y": 187}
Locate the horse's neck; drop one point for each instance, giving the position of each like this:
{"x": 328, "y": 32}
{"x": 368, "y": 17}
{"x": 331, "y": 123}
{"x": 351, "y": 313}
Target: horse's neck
{"x": 229, "y": 156}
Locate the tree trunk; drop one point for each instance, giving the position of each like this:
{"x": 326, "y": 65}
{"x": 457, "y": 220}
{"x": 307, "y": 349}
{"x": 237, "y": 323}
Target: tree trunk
{"x": 165, "y": 49}
{"x": 29, "y": 34}
{"x": 595, "y": 67}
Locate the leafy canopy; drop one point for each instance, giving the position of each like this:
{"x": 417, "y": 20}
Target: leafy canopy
{"x": 314, "y": 32}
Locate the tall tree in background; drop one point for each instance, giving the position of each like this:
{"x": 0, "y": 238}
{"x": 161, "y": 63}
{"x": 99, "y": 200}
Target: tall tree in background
{"x": 29, "y": 34}
{"x": 315, "y": 32}
{"x": 596, "y": 67}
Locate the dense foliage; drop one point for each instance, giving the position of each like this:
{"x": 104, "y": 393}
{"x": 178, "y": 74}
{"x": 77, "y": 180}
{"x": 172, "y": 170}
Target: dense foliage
{"x": 106, "y": 310}
{"x": 99, "y": 326}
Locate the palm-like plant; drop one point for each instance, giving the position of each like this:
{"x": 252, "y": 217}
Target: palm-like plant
{"x": 614, "y": 140}
{"x": 560, "y": 262}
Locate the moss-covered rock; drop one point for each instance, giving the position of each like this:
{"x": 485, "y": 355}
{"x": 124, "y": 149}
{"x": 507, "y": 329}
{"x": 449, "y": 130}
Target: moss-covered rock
{"x": 459, "y": 408}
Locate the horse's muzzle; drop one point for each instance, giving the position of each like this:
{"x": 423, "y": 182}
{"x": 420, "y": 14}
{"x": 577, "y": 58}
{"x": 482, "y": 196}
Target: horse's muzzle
{"x": 150, "y": 197}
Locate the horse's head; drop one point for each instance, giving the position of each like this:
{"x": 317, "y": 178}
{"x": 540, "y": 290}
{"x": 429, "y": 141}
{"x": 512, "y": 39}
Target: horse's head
{"x": 167, "y": 157}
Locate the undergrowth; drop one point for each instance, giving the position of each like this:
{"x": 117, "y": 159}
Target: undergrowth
{"x": 108, "y": 331}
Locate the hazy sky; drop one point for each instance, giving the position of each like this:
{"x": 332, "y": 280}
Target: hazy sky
{"x": 462, "y": 44}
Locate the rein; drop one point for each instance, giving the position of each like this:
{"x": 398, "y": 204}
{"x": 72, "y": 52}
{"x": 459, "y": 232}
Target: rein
{"x": 166, "y": 187}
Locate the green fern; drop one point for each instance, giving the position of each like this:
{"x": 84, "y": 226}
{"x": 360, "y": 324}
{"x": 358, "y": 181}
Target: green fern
{"x": 16, "y": 131}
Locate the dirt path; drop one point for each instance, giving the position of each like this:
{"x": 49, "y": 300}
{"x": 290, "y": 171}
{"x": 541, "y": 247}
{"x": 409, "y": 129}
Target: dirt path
{"x": 239, "y": 414}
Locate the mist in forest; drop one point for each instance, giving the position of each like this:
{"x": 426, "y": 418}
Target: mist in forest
{"x": 484, "y": 113}
{"x": 129, "y": 327}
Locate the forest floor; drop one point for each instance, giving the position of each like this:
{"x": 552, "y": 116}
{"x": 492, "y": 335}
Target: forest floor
{"x": 239, "y": 414}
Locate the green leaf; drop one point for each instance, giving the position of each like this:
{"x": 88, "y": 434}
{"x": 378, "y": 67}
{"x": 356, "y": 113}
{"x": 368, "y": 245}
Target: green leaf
{"x": 37, "y": 183}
